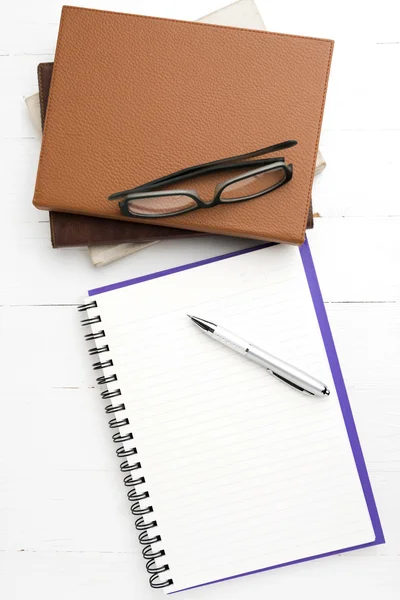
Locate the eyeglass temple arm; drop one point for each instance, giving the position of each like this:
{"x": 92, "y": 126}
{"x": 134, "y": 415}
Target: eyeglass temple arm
{"x": 176, "y": 178}
{"x": 215, "y": 165}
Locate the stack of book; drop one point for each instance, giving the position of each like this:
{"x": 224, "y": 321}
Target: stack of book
{"x": 95, "y": 136}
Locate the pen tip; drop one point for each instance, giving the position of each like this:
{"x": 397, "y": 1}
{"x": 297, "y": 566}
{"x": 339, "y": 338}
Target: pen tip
{"x": 190, "y": 316}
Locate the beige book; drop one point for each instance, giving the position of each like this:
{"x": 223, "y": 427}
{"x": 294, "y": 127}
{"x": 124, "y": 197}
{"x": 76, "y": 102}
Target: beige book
{"x": 104, "y": 254}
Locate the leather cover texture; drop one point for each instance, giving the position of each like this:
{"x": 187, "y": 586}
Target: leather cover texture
{"x": 157, "y": 95}
{"x": 78, "y": 230}
{"x": 69, "y": 230}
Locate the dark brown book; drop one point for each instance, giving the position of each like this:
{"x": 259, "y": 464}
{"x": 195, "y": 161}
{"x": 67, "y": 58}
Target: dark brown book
{"x": 79, "y": 230}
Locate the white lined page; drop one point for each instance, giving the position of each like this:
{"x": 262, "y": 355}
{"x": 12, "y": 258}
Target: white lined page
{"x": 243, "y": 471}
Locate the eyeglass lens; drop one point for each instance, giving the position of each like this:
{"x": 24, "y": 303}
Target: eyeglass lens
{"x": 254, "y": 184}
{"x": 160, "y": 205}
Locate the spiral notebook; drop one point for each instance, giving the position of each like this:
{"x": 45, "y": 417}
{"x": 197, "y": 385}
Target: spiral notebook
{"x": 230, "y": 472}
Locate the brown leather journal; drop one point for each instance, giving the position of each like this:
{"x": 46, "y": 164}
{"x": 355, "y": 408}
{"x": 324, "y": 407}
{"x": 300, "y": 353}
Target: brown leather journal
{"x": 78, "y": 230}
{"x": 196, "y": 96}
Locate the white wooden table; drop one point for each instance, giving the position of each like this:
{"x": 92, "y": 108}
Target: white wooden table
{"x": 65, "y": 526}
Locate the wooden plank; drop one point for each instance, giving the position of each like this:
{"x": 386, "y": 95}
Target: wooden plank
{"x": 358, "y": 181}
{"x": 306, "y": 18}
{"x": 356, "y": 259}
{"x": 102, "y": 576}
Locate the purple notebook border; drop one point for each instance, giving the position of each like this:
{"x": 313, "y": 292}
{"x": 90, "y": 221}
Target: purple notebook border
{"x": 337, "y": 377}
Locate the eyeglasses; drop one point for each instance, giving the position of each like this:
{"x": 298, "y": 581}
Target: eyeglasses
{"x": 261, "y": 177}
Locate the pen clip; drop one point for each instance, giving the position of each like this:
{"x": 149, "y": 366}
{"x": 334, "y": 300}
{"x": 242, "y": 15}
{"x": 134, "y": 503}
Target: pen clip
{"x": 294, "y": 385}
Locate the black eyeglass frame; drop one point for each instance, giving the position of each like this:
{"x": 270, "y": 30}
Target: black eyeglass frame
{"x": 150, "y": 189}
{"x": 287, "y": 176}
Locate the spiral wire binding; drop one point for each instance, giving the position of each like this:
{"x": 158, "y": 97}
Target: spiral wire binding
{"x": 134, "y": 495}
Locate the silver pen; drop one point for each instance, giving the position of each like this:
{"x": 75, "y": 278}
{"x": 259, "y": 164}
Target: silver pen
{"x": 275, "y": 366}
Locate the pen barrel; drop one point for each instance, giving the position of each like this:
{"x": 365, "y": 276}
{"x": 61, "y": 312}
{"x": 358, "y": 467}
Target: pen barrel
{"x": 233, "y": 341}
{"x": 286, "y": 372}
